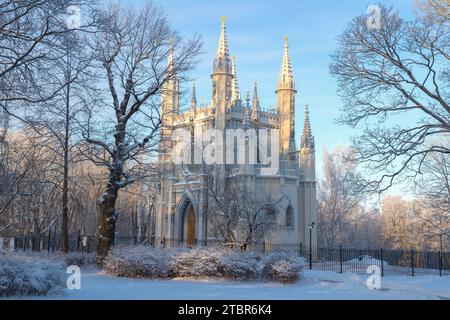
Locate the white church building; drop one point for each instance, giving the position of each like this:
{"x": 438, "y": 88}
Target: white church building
{"x": 182, "y": 212}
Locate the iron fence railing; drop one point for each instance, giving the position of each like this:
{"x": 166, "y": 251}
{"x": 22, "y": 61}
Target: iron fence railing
{"x": 337, "y": 259}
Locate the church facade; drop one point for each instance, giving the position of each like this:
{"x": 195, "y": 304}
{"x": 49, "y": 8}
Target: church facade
{"x": 184, "y": 207}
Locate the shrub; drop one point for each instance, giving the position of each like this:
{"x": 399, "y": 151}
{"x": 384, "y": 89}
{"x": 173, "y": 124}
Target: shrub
{"x": 237, "y": 265}
{"x": 285, "y": 271}
{"x": 217, "y": 262}
{"x": 282, "y": 267}
{"x": 196, "y": 263}
{"x": 26, "y": 276}
{"x": 137, "y": 262}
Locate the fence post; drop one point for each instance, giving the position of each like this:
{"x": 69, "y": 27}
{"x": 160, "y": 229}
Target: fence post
{"x": 48, "y": 241}
{"x": 78, "y": 240}
{"x": 382, "y": 262}
{"x": 440, "y": 263}
{"x": 412, "y": 262}
{"x": 340, "y": 257}
{"x": 310, "y": 256}
{"x": 54, "y": 239}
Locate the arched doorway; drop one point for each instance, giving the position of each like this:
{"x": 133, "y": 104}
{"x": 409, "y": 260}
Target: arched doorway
{"x": 190, "y": 226}
{"x": 188, "y": 223}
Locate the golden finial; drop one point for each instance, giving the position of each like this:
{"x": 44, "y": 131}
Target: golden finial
{"x": 223, "y": 20}
{"x": 286, "y": 39}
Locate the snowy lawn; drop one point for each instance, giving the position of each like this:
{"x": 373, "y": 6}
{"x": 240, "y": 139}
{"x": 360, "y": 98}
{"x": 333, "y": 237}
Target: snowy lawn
{"x": 312, "y": 285}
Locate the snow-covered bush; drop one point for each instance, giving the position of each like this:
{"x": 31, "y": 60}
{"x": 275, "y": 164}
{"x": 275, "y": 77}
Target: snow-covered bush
{"x": 137, "y": 262}
{"x": 196, "y": 263}
{"x": 242, "y": 266}
{"x": 21, "y": 276}
{"x": 80, "y": 259}
{"x": 285, "y": 271}
{"x": 216, "y": 262}
{"x": 282, "y": 267}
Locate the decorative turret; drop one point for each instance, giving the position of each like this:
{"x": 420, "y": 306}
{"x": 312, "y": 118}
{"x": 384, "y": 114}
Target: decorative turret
{"x": 307, "y": 191}
{"x": 286, "y": 105}
{"x": 222, "y": 80}
{"x": 193, "y": 99}
{"x": 307, "y": 141}
{"x": 255, "y": 102}
{"x": 307, "y": 151}
{"x": 235, "y": 94}
{"x": 171, "y": 89}
{"x": 222, "y": 49}
{"x": 286, "y": 78}
{"x": 247, "y": 100}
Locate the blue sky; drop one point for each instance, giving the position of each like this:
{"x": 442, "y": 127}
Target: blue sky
{"x": 255, "y": 31}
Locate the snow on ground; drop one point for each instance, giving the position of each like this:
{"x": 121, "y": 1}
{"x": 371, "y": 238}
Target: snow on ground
{"x": 314, "y": 284}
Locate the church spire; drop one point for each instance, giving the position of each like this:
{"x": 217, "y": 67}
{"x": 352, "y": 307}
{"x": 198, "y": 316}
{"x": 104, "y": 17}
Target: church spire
{"x": 222, "y": 61}
{"x": 307, "y": 137}
{"x": 286, "y": 78}
{"x": 170, "y": 95}
{"x": 193, "y": 99}
{"x": 170, "y": 67}
{"x": 221, "y": 80}
{"x": 255, "y": 102}
{"x": 247, "y": 99}
{"x": 235, "y": 94}
{"x": 222, "y": 50}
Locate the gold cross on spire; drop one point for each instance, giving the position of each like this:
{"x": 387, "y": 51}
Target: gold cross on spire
{"x": 286, "y": 38}
{"x": 224, "y": 19}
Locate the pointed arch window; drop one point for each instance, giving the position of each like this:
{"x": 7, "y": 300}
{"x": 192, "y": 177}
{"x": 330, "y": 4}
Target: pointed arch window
{"x": 289, "y": 217}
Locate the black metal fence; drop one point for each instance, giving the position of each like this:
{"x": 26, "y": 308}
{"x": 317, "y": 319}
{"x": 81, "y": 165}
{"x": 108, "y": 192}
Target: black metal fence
{"x": 354, "y": 260}
{"x": 52, "y": 242}
{"x": 336, "y": 259}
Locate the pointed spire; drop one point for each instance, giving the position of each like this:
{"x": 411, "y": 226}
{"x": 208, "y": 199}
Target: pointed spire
{"x": 222, "y": 61}
{"x": 286, "y": 78}
{"x": 222, "y": 50}
{"x": 255, "y": 102}
{"x": 235, "y": 94}
{"x": 170, "y": 96}
{"x": 170, "y": 66}
{"x": 247, "y": 99}
{"x": 193, "y": 99}
{"x": 307, "y": 137}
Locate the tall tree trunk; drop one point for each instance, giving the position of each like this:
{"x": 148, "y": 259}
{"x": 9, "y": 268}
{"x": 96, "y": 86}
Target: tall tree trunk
{"x": 107, "y": 212}
{"x": 65, "y": 190}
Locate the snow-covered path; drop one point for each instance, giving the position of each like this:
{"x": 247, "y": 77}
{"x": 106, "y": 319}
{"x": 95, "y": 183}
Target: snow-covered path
{"x": 313, "y": 285}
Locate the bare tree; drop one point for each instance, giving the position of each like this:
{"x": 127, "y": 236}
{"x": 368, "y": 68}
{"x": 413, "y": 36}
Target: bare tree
{"x": 59, "y": 117}
{"x": 29, "y": 34}
{"x": 436, "y": 9}
{"x": 394, "y": 82}
{"x": 407, "y": 224}
{"x": 238, "y": 216}
{"x": 339, "y": 209}
{"x": 433, "y": 189}
{"x": 397, "y": 226}
{"x": 132, "y": 49}
{"x": 31, "y": 209}
{"x": 12, "y": 174}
